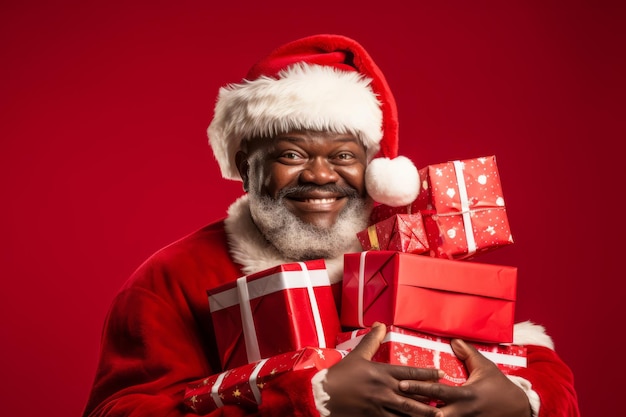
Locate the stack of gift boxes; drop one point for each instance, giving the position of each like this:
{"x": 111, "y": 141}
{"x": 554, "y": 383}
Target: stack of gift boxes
{"x": 279, "y": 320}
{"x": 414, "y": 274}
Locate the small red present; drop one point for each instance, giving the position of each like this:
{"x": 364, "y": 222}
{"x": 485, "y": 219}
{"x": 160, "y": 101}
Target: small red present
{"x": 463, "y": 208}
{"x": 422, "y": 350}
{"x": 400, "y": 232}
{"x": 274, "y": 311}
{"x": 242, "y": 386}
{"x": 445, "y": 297}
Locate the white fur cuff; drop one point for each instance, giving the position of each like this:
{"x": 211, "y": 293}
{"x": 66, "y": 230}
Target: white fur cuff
{"x": 321, "y": 397}
{"x": 526, "y": 386}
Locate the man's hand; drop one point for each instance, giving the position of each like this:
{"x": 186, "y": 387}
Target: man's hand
{"x": 487, "y": 392}
{"x": 359, "y": 387}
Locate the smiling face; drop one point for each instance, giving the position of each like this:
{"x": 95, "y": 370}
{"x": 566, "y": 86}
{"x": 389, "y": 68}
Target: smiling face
{"x": 314, "y": 173}
{"x": 307, "y": 190}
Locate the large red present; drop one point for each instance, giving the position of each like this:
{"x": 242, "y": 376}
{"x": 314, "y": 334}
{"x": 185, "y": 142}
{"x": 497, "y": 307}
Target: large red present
{"x": 445, "y": 297}
{"x": 400, "y": 232}
{"x": 242, "y": 386}
{"x": 422, "y": 350}
{"x": 463, "y": 208}
{"x": 278, "y": 310}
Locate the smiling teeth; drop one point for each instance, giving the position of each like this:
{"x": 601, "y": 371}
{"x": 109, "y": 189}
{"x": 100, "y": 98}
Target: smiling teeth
{"x": 321, "y": 200}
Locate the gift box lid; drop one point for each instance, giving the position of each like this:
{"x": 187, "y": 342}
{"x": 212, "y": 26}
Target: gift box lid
{"x": 487, "y": 280}
{"x": 268, "y": 281}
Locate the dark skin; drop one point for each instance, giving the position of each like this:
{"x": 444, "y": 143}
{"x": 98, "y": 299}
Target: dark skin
{"x": 300, "y": 158}
{"x": 356, "y": 385}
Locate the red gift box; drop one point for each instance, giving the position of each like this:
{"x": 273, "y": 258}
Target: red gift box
{"x": 463, "y": 208}
{"x": 412, "y": 348}
{"x": 278, "y": 310}
{"x": 445, "y": 297}
{"x": 242, "y": 386}
{"x": 400, "y": 232}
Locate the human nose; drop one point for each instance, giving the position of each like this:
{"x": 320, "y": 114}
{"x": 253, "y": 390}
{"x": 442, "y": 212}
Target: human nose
{"x": 319, "y": 171}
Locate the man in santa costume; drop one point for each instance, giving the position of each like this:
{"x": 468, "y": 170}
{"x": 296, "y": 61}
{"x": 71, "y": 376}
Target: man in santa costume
{"x": 312, "y": 132}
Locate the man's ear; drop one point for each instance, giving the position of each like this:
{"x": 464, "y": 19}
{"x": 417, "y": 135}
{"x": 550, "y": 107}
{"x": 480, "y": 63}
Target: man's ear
{"x": 241, "y": 159}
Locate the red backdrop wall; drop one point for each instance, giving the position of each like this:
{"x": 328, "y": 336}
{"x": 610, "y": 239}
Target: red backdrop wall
{"x": 104, "y": 157}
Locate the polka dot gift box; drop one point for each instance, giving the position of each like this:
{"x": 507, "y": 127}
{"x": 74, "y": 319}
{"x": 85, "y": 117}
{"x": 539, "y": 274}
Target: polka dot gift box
{"x": 463, "y": 208}
{"x": 413, "y": 348}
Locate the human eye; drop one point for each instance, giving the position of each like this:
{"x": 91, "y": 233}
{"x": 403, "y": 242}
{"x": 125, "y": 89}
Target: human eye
{"x": 344, "y": 157}
{"x": 290, "y": 156}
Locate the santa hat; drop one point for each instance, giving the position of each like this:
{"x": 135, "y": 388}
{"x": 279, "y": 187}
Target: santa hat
{"x": 324, "y": 83}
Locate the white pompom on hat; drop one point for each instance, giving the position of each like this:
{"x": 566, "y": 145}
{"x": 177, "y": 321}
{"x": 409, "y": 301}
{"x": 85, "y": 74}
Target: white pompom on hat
{"x": 324, "y": 83}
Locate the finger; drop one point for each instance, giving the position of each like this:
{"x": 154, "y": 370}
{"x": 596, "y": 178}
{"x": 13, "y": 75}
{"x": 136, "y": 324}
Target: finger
{"x": 370, "y": 343}
{"x": 461, "y": 349}
{"x": 468, "y": 354}
{"x": 433, "y": 391}
{"x": 421, "y": 398}
{"x": 401, "y": 372}
{"x": 406, "y": 406}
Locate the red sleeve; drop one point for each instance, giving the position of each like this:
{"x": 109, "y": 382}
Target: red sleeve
{"x": 152, "y": 348}
{"x": 148, "y": 353}
{"x": 552, "y": 380}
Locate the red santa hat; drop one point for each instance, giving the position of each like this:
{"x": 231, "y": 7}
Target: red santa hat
{"x": 321, "y": 82}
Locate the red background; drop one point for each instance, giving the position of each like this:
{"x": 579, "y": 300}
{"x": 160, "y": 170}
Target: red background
{"x": 104, "y": 157}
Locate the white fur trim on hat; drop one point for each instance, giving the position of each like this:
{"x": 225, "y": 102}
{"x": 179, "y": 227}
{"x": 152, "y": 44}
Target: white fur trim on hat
{"x": 302, "y": 97}
{"x": 394, "y": 182}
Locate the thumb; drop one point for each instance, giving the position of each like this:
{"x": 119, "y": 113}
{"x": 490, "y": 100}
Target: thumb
{"x": 467, "y": 353}
{"x": 370, "y": 343}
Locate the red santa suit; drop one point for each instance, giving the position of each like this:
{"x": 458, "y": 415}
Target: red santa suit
{"x": 158, "y": 334}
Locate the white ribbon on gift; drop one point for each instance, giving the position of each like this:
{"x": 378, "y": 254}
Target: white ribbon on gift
{"x": 361, "y": 288}
{"x": 247, "y": 321}
{"x": 252, "y": 381}
{"x": 215, "y": 390}
{"x": 278, "y": 281}
{"x": 465, "y": 208}
{"x": 317, "y": 319}
{"x": 435, "y": 345}
{"x": 254, "y": 388}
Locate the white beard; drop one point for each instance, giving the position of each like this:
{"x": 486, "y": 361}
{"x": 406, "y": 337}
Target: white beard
{"x": 298, "y": 240}
{"x": 249, "y": 248}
